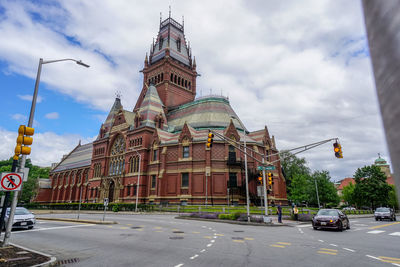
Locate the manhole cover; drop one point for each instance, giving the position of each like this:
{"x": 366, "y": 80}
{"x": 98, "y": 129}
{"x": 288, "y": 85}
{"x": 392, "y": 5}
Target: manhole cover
{"x": 178, "y": 232}
{"x": 238, "y": 231}
{"x": 176, "y": 237}
{"x": 136, "y": 227}
{"x": 237, "y": 238}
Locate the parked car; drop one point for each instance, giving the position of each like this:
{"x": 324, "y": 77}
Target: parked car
{"x": 330, "y": 219}
{"x": 349, "y": 208}
{"x": 23, "y": 218}
{"x": 384, "y": 213}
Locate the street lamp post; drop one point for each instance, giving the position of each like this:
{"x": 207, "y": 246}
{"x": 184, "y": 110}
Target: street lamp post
{"x": 30, "y": 122}
{"x": 245, "y": 169}
{"x": 138, "y": 183}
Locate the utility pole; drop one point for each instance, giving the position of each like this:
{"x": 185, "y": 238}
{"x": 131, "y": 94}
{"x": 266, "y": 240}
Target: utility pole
{"x": 265, "y": 190}
{"x": 316, "y": 189}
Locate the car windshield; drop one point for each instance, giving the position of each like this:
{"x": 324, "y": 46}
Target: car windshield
{"x": 382, "y": 209}
{"x": 19, "y": 211}
{"x": 327, "y": 213}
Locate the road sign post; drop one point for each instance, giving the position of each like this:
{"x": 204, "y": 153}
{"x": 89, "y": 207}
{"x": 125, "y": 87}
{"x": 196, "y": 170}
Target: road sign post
{"x": 105, "y": 207}
{"x": 11, "y": 181}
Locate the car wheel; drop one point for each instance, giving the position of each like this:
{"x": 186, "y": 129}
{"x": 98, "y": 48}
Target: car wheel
{"x": 315, "y": 228}
{"x": 376, "y": 219}
{"x": 30, "y": 227}
{"x": 340, "y": 226}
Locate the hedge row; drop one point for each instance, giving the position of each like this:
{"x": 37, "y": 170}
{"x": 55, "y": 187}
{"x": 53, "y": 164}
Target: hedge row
{"x": 90, "y": 206}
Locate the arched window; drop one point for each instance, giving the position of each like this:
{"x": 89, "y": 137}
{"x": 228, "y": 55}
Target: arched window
{"x": 175, "y": 79}
{"x": 162, "y": 76}
{"x": 172, "y": 77}
{"x": 179, "y": 80}
{"x": 185, "y": 84}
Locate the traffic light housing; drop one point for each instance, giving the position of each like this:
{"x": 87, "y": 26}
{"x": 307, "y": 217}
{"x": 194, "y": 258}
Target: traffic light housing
{"x": 260, "y": 178}
{"x": 24, "y": 140}
{"x": 337, "y": 148}
{"x": 270, "y": 177}
{"x": 210, "y": 139}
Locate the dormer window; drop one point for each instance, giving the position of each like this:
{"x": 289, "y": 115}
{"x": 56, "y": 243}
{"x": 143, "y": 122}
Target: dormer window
{"x": 178, "y": 44}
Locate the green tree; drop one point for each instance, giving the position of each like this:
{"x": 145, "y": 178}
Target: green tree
{"x": 371, "y": 188}
{"x": 393, "y": 201}
{"x": 348, "y": 194}
{"x": 327, "y": 193}
{"x": 293, "y": 168}
{"x": 298, "y": 188}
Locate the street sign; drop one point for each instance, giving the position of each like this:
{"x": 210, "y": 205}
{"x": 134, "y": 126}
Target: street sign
{"x": 267, "y": 168}
{"x": 105, "y": 202}
{"x": 11, "y": 181}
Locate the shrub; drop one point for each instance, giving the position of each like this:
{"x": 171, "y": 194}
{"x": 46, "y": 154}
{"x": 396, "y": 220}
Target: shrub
{"x": 223, "y": 216}
{"x": 234, "y": 216}
{"x": 115, "y": 208}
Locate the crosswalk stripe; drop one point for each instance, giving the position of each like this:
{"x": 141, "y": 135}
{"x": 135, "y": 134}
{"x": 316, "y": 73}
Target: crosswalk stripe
{"x": 395, "y": 233}
{"x": 375, "y": 232}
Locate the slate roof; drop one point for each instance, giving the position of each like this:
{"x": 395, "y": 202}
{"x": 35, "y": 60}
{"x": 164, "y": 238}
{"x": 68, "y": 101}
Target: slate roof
{"x": 81, "y": 156}
{"x": 204, "y": 113}
{"x": 151, "y": 107}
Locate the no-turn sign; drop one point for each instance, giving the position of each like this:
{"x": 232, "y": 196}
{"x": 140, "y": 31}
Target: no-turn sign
{"x": 11, "y": 181}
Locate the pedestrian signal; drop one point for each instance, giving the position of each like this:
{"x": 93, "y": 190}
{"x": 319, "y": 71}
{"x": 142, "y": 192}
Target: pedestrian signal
{"x": 24, "y": 140}
{"x": 337, "y": 148}
{"x": 210, "y": 139}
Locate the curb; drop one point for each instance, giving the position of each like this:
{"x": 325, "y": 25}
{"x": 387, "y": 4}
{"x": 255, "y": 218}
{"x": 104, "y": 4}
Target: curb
{"x": 47, "y": 263}
{"x": 75, "y": 220}
{"x": 235, "y": 222}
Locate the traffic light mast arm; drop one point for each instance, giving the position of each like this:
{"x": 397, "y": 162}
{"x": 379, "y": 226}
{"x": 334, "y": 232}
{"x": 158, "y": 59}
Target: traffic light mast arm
{"x": 303, "y": 148}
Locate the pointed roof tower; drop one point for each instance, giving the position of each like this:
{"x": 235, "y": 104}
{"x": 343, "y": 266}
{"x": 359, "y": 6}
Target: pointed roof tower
{"x": 151, "y": 110}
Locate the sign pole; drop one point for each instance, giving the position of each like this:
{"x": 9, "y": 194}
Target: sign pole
{"x": 265, "y": 190}
{"x": 7, "y": 198}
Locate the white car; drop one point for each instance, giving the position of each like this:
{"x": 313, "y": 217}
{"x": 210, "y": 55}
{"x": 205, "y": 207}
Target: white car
{"x": 23, "y": 218}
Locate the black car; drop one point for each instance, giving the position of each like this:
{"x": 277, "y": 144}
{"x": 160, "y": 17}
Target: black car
{"x": 330, "y": 219}
{"x": 384, "y": 213}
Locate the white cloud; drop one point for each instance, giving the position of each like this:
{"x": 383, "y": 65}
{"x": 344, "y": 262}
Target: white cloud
{"x": 29, "y": 98}
{"x": 44, "y": 152}
{"x": 301, "y": 68}
{"x": 52, "y": 115}
{"x": 19, "y": 117}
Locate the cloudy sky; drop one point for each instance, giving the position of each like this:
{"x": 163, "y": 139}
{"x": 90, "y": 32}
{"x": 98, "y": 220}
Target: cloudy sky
{"x": 300, "y": 67}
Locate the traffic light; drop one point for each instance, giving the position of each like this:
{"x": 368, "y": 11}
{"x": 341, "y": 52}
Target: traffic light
{"x": 270, "y": 176}
{"x": 260, "y": 178}
{"x": 24, "y": 140}
{"x": 210, "y": 139}
{"x": 338, "y": 150}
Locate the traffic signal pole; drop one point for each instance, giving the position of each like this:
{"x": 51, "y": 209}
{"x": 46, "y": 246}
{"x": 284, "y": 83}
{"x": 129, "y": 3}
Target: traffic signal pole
{"x": 265, "y": 190}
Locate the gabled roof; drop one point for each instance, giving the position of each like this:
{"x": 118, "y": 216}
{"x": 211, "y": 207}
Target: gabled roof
{"x": 151, "y": 107}
{"x": 346, "y": 182}
{"x": 81, "y": 156}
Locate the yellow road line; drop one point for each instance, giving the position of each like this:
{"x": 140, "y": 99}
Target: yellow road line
{"x": 328, "y": 249}
{"x": 248, "y": 238}
{"x": 277, "y": 246}
{"x": 238, "y": 241}
{"x": 129, "y": 224}
{"x": 139, "y": 229}
{"x": 195, "y": 232}
{"x": 157, "y": 227}
{"x": 219, "y": 234}
{"x": 383, "y": 225}
{"x": 159, "y": 231}
{"x": 389, "y": 259}
{"x": 284, "y": 243}
{"x": 326, "y": 252}
{"x": 109, "y": 226}
{"x": 175, "y": 229}
{"x": 209, "y": 237}
{"x": 124, "y": 228}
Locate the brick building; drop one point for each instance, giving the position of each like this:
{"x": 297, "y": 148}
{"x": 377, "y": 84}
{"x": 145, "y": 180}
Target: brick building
{"x": 163, "y": 140}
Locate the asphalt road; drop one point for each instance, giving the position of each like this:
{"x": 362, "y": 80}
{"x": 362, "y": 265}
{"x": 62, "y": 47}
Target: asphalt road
{"x": 161, "y": 240}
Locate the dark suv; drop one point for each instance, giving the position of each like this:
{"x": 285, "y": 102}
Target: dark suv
{"x": 385, "y": 213}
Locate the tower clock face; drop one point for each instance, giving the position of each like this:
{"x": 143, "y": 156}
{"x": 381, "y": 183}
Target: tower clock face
{"x": 118, "y": 146}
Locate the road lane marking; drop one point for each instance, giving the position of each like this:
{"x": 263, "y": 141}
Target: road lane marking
{"x": 54, "y": 228}
{"x": 209, "y": 245}
{"x": 277, "y": 246}
{"x": 389, "y": 259}
{"x": 159, "y": 231}
{"x": 129, "y": 224}
{"x": 157, "y": 227}
{"x": 175, "y": 229}
{"x": 326, "y": 252}
{"x": 212, "y": 241}
{"x": 383, "y": 225}
{"x": 123, "y": 227}
{"x": 328, "y": 249}
{"x": 195, "y": 232}
{"x": 301, "y": 231}
{"x": 195, "y": 256}
{"x": 303, "y": 226}
{"x": 375, "y": 232}
{"x": 333, "y": 245}
{"x": 238, "y": 241}
{"x": 373, "y": 257}
{"x": 248, "y": 238}
{"x": 284, "y": 243}
{"x": 215, "y": 237}
{"x": 395, "y": 233}
{"x": 179, "y": 265}
{"x": 219, "y": 234}
{"x": 320, "y": 240}
{"x": 349, "y": 249}
{"x": 209, "y": 237}
{"x": 203, "y": 250}
{"x": 109, "y": 226}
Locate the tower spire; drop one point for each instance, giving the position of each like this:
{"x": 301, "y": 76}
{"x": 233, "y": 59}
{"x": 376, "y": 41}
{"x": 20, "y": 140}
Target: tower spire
{"x": 169, "y": 11}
